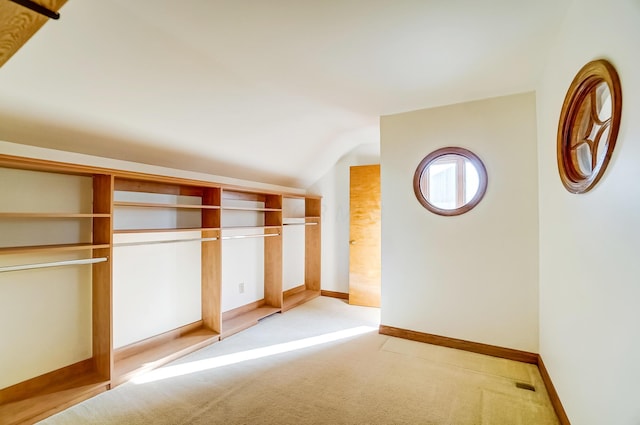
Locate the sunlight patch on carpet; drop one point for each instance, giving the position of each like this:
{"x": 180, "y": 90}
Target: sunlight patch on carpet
{"x": 229, "y": 359}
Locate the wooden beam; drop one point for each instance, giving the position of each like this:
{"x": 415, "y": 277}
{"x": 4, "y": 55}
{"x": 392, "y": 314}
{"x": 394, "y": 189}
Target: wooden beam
{"x": 18, "y": 24}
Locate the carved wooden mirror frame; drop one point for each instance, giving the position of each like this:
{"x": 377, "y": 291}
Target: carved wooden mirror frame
{"x": 589, "y": 124}
{"x": 465, "y": 155}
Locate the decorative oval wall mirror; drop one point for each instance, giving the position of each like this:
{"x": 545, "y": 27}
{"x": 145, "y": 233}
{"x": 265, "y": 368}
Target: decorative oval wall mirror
{"x": 450, "y": 181}
{"x": 588, "y": 127}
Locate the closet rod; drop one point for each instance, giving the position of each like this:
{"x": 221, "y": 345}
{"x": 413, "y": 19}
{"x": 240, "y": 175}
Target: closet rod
{"x": 52, "y": 264}
{"x": 164, "y": 241}
{"x": 37, "y": 8}
{"x": 250, "y": 236}
{"x": 300, "y": 224}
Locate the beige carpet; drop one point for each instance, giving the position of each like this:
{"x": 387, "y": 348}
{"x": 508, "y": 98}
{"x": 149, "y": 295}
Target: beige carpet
{"x": 360, "y": 377}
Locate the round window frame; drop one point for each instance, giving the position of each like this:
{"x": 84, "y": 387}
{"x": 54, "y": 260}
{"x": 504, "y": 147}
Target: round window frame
{"x": 586, "y": 80}
{"x": 432, "y": 157}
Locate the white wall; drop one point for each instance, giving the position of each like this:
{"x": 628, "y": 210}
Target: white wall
{"x": 242, "y": 263}
{"x": 474, "y": 276}
{"x": 156, "y": 287}
{"x": 334, "y": 189}
{"x": 589, "y": 244}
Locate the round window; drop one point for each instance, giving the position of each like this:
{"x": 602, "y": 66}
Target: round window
{"x": 450, "y": 181}
{"x": 589, "y": 124}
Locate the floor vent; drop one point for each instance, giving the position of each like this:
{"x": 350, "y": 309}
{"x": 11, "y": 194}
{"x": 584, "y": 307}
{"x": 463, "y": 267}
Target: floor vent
{"x": 524, "y": 386}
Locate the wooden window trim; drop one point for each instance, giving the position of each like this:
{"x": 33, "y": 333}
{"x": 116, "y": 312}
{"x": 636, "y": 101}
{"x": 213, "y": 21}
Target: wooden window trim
{"x": 462, "y": 154}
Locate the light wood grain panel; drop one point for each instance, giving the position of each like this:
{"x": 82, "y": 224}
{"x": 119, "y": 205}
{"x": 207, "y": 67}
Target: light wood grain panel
{"x": 159, "y": 350}
{"x": 273, "y": 268}
{"x": 364, "y": 236}
{"x": 212, "y": 281}
{"x": 334, "y": 294}
{"x": 312, "y": 206}
{"x": 246, "y": 319}
{"x": 147, "y": 344}
{"x": 243, "y": 309}
{"x": 43, "y": 382}
{"x": 313, "y": 246}
{"x": 102, "y": 304}
{"x": 211, "y": 261}
{"x": 312, "y": 255}
{"x": 273, "y": 251}
{"x": 211, "y": 197}
{"x": 273, "y": 210}
{"x": 53, "y": 400}
{"x": 18, "y": 24}
{"x": 293, "y": 291}
{"x": 295, "y": 299}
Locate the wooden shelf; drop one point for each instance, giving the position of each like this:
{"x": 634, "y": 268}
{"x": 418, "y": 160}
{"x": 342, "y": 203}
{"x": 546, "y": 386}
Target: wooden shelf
{"x": 312, "y": 218}
{"x": 50, "y": 248}
{"x": 293, "y": 300}
{"x": 157, "y": 205}
{"x": 53, "y": 398}
{"x": 249, "y": 227}
{"x": 51, "y": 215}
{"x": 293, "y": 220}
{"x": 246, "y": 319}
{"x": 251, "y": 209}
{"x": 156, "y": 351}
{"x": 186, "y": 229}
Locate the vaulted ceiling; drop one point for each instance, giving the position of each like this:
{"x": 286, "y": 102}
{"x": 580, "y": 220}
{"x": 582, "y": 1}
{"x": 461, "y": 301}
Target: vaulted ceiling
{"x": 268, "y": 90}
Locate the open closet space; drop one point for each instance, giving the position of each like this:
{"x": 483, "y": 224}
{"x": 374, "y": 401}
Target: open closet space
{"x": 106, "y": 274}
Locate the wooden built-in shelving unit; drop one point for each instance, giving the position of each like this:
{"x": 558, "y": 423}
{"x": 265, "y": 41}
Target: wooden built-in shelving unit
{"x": 152, "y": 205}
{"x": 224, "y": 212}
{"x": 155, "y": 351}
{"x": 260, "y": 215}
{"x": 311, "y": 287}
{"x": 43, "y": 395}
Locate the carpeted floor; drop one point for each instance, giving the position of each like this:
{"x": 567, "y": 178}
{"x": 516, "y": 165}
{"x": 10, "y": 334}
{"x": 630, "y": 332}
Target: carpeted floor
{"x": 324, "y": 363}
